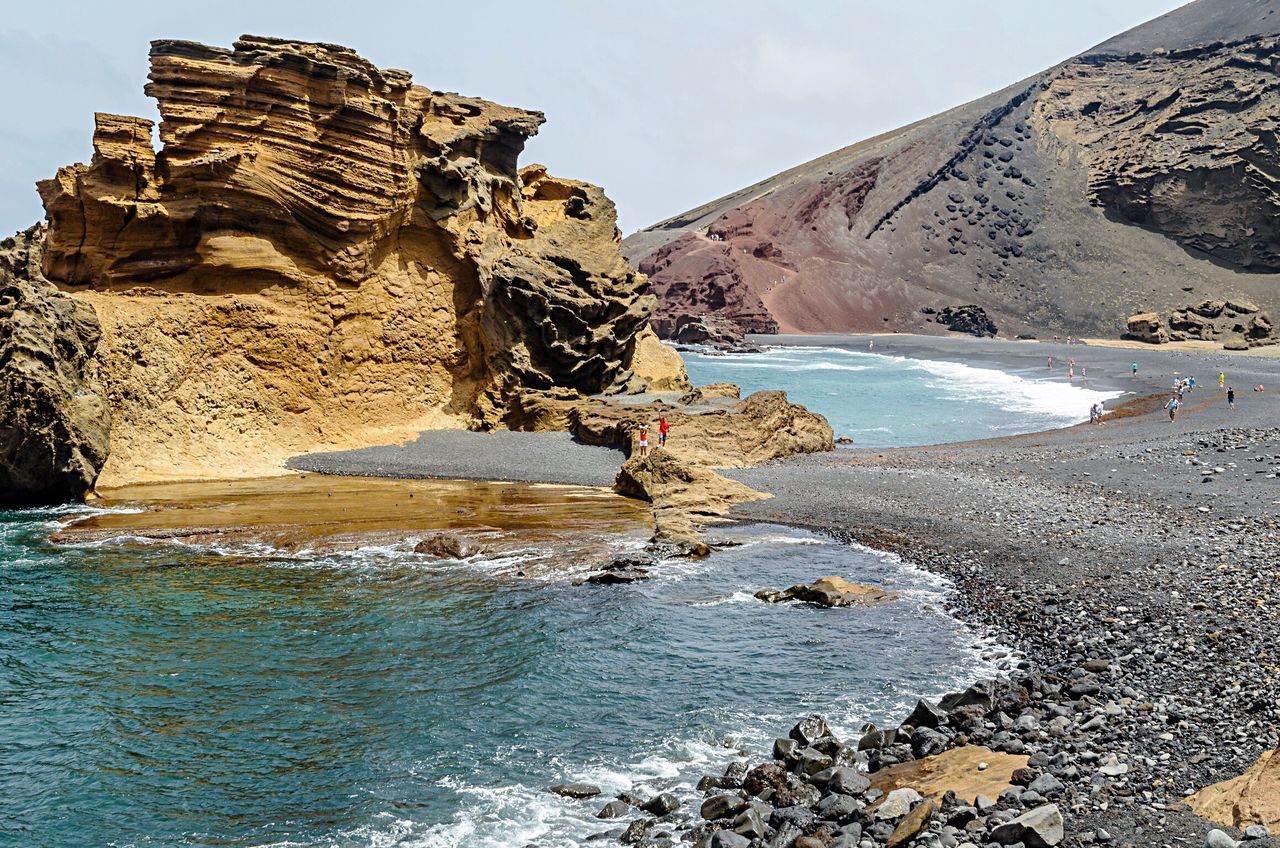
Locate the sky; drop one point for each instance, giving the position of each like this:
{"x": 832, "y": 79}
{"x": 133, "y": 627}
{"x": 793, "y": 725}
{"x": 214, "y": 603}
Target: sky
{"x": 666, "y": 104}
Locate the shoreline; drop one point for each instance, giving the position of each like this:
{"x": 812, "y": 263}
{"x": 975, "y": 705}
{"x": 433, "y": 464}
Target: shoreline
{"x": 1046, "y": 536}
{"x": 1065, "y": 542}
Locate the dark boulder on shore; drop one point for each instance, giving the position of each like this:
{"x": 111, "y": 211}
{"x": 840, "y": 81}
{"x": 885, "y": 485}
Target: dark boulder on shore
{"x": 55, "y": 424}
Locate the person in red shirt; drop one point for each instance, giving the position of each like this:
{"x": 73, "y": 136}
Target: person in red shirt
{"x": 664, "y": 427}
{"x": 644, "y": 439}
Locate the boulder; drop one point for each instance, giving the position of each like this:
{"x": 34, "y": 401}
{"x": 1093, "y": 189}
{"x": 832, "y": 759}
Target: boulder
{"x": 1039, "y": 828}
{"x": 913, "y": 824}
{"x": 55, "y": 421}
{"x": 969, "y": 319}
{"x": 658, "y": 366}
{"x": 576, "y": 790}
{"x": 831, "y": 592}
{"x": 1146, "y": 327}
{"x": 447, "y": 546}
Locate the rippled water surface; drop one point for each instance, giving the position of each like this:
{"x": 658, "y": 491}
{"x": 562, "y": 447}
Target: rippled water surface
{"x": 183, "y": 694}
{"x": 893, "y": 401}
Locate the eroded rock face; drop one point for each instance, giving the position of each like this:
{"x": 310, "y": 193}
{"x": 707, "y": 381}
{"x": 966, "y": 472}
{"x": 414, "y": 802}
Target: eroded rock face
{"x": 1108, "y": 185}
{"x": 1146, "y": 327}
{"x": 323, "y": 254}
{"x": 1253, "y": 798}
{"x": 55, "y": 425}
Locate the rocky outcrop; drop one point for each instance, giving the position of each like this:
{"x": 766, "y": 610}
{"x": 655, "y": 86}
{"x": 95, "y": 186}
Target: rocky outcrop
{"x": 684, "y": 494}
{"x": 1146, "y": 327}
{"x": 698, "y": 276}
{"x": 830, "y": 592}
{"x": 1253, "y": 798}
{"x": 707, "y": 432}
{"x": 322, "y": 255}
{"x": 659, "y": 367}
{"x": 970, "y": 319}
{"x": 55, "y": 425}
{"x": 1240, "y": 324}
{"x": 1109, "y": 185}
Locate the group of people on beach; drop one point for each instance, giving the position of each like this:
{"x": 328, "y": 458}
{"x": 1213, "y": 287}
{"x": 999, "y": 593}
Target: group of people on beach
{"x": 664, "y": 428}
{"x": 1181, "y": 387}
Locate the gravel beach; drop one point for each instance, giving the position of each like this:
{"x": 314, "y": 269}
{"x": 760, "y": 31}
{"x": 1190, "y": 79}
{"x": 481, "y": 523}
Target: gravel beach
{"x": 1134, "y": 564}
{"x": 1147, "y": 545}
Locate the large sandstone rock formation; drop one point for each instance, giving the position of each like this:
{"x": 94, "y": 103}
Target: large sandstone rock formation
{"x": 1139, "y": 176}
{"x": 324, "y": 255}
{"x": 54, "y": 422}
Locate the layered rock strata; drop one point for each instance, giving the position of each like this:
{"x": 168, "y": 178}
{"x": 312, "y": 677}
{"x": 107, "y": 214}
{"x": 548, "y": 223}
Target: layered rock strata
{"x": 1110, "y": 185}
{"x": 1211, "y": 320}
{"x": 323, "y": 254}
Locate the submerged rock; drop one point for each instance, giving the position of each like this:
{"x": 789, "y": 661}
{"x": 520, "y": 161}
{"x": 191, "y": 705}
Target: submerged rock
{"x": 447, "y": 546}
{"x": 831, "y": 592}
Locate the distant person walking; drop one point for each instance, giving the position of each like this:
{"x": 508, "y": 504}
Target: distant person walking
{"x": 664, "y": 427}
{"x": 871, "y": 345}
{"x": 1135, "y": 369}
{"x": 644, "y": 439}
{"x": 1095, "y": 414}
{"x": 1051, "y": 362}
{"x": 1191, "y": 383}
{"x": 1222, "y": 380}
{"x": 1231, "y": 397}
{"x": 1172, "y": 406}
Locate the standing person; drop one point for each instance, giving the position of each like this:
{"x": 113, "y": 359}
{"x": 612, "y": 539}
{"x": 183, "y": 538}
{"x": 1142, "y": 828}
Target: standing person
{"x": 1191, "y": 383}
{"x": 1135, "y": 369}
{"x": 871, "y": 345}
{"x": 1231, "y": 397}
{"x": 664, "y": 427}
{"x": 1222, "y": 380}
{"x": 1051, "y": 362}
{"x": 1093, "y": 414}
{"x": 644, "y": 439}
{"x": 1172, "y": 406}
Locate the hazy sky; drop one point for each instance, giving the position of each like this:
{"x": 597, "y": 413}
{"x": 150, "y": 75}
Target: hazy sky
{"x": 665, "y": 104}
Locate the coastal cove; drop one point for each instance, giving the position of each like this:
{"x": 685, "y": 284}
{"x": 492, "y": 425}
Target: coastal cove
{"x": 369, "y": 694}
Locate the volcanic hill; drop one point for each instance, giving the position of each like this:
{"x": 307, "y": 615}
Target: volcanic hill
{"x": 1139, "y": 176}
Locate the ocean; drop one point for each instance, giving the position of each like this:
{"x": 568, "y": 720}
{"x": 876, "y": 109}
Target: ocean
{"x": 896, "y": 401}
{"x": 257, "y": 691}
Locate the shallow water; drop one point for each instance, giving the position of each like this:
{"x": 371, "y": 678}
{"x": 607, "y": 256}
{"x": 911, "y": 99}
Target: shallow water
{"x": 169, "y": 693}
{"x": 893, "y": 401}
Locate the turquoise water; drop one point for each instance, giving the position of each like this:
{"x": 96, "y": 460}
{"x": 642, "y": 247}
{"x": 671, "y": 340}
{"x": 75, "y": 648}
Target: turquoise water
{"x": 160, "y": 694}
{"x": 891, "y": 401}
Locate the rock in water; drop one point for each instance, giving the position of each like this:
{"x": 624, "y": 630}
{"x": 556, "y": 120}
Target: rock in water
{"x": 330, "y": 256}
{"x": 55, "y": 425}
{"x": 576, "y": 790}
{"x": 831, "y": 592}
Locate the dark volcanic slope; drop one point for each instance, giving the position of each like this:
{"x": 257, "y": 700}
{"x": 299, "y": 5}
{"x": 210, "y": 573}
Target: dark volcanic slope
{"x": 1140, "y": 175}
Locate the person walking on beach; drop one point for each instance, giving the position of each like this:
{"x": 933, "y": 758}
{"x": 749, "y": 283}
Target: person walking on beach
{"x": 664, "y": 427}
{"x": 1191, "y": 383}
{"x": 1172, "y": 406}
{"x": 1231, "y": 397}
{"x": 871, "y": 345}
{"x": 644, "y": 439}
{"x": 1051, "y": 362}
{"x": 1094, "y": 415}
{"x": 1135, "y": 369}
{"x": 1222, "y": 379}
